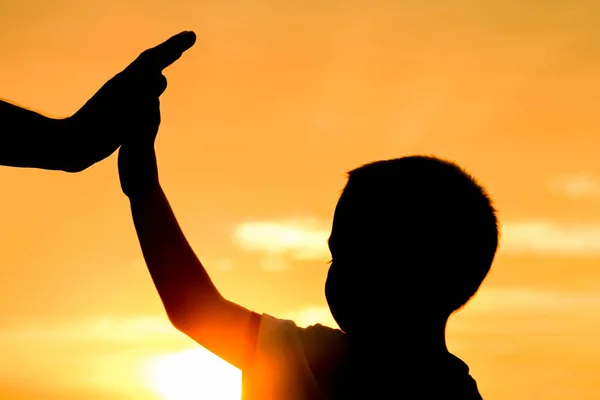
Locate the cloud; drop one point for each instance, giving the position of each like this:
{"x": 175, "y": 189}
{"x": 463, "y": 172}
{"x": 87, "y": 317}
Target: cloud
{"x": 493, "y": 302}
{"x": 274, "y": 263}
{"x": 524, "y": 300}
{"x": 94, "y": 329}
{"x": 306, "y": 239}
{"x": 550, "y": 238}
{"x": 577, "y": 186}
{"x": 295, "y": 239}
{"x": 104, "y": 353}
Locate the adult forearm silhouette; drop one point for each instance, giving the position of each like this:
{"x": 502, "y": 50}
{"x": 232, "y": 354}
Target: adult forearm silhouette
{"x": 31, "y": 140}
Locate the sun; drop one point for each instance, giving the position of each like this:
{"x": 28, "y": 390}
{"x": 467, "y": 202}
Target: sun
{"x": 193, "y": 375}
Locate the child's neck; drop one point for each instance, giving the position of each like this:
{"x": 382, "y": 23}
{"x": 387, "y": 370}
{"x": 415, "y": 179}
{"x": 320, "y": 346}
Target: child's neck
{"x": 413, "y": 336}
{"x": 424, "y": 336}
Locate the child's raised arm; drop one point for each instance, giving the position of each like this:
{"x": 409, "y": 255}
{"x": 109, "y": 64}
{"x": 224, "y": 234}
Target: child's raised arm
{"x": 191, "y": 300}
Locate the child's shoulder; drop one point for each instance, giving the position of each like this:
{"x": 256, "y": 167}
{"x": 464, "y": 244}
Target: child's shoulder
{"x": 325, "y": 348}
{"x": 314, "y": 338}
{"x": 323, "y": 336}
{"x": 321, "y": 346}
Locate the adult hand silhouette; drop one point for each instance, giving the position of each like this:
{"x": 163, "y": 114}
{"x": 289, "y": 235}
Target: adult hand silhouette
{"x": 126, "y": 102}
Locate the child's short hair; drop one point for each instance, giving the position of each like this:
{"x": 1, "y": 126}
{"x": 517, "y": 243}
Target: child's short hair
{"x": 430, "y": 218}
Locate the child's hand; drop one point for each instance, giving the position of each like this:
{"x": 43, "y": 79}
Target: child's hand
{"x": 138, "y": 170}
{"x": 124, "y": 104}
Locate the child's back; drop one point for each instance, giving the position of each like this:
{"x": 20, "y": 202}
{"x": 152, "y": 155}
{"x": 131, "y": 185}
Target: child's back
{"x": 320, "y": 363}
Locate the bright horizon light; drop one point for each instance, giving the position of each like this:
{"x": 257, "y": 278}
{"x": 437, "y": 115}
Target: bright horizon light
{"x": 192, "y": 375}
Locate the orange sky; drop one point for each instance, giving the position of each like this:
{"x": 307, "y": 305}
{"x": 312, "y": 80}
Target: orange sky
{"x": 261, "y": 119}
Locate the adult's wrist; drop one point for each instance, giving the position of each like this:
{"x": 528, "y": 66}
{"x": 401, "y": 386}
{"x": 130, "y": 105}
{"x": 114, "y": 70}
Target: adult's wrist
{"x": 71, "y": 153}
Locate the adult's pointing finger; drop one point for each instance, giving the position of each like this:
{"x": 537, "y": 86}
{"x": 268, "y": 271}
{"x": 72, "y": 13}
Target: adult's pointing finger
{"x": 160, "y": 57}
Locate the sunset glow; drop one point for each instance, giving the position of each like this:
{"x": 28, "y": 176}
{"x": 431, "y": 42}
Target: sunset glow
{"x": 260, "y": 122}
{"x": 193, "y": 374}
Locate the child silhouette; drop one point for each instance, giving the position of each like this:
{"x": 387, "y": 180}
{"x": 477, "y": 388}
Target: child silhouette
{"x": 411, "y": 242}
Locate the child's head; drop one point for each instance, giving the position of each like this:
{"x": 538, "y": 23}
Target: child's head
{"x": 412, "y": 237}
